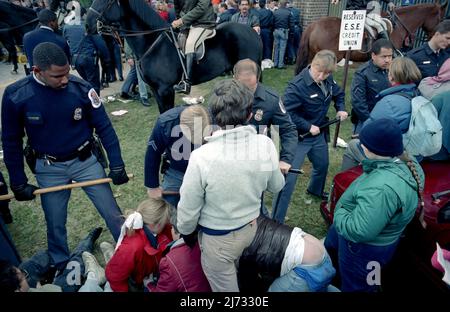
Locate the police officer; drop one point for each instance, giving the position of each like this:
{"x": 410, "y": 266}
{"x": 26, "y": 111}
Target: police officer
{"x": 307, "y": 99}
{"x": 370, "y": 79}
{"x": 45, "y": 33}
{"x": 283, "y": 23}
{"x": 176, "y": 133}
{"x": 59, "y": 112}
{"x": 266, "y": 24}
{"x": 84, "y": 49}
{"x": 268, "y": 110}
{"x": 430, "y": 56}
{"x": 294, "y": 35}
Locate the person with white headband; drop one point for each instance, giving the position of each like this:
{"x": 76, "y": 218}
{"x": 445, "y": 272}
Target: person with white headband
{"x": 144, "y": 236}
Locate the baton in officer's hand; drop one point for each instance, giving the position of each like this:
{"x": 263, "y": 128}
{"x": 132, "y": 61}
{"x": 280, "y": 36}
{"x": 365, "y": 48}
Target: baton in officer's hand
{"x": 296, "y": 171}
{"x": 333, "y": 121}
{"x": 65, "y": 187}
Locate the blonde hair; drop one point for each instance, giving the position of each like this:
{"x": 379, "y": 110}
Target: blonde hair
{"x": 153, "y": 211}
{"x": 326, "y": 60}
{"x": 193, "y": 122}
{"x": 403, "y": 70}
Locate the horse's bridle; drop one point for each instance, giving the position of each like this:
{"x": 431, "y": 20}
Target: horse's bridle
{"x": 100, "y": 20}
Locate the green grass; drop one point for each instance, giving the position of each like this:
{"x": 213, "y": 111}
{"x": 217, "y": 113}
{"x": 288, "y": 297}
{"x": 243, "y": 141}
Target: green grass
{"x": 29, "y": 229}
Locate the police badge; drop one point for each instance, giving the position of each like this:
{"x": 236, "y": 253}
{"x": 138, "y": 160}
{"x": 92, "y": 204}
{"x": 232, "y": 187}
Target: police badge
{"x": 259, "y": 114}
{"x": 95, "y": 99}
{"x": 77, "y": 114}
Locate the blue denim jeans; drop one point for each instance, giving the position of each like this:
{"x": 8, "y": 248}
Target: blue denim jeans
{"x": 172, "y": 182}
{"x": 307, "y": 278}
{"x": 280, "y": 37}
{"x": 55, "y": 203}
{"x": 353, "y": 260}
{"x": 317, "y": 150}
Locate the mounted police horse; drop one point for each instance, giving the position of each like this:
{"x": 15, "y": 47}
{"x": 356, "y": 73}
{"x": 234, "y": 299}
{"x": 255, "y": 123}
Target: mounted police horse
{"x": 150, "y": 38}
{"x": 324, "y": 33}
{"x": 15, "y": 21}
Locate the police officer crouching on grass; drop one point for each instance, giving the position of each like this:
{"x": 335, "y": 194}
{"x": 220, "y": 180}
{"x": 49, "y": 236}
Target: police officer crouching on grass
{"x": 307, "y": 99}
{"x": 59, "y": 112}
{"x": 370, "y": 79}
{"x": 176, "y": 134}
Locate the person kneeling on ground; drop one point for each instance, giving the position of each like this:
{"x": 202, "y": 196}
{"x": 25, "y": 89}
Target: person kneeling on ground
{"x": 143, "y": 238}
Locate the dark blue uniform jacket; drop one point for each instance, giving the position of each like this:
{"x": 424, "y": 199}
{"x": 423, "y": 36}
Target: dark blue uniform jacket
{"x": 57, "y": 122}
{"x": 368, "y": 81}
{"x": 306, "y": 102}
{"x": 269, "y": 110}
{"x": 166, "y": 135}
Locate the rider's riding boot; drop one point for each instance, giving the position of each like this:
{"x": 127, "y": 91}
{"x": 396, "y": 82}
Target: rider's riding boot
{"x": 383, "y": 34}
{"x": 184, "y": 86}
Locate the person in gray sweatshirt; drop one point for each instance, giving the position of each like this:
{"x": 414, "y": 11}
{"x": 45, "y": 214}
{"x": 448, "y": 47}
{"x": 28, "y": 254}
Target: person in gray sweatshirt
{"x": 221, "y": 191}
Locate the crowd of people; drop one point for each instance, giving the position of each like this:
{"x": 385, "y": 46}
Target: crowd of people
{"x": 204, "y": 226}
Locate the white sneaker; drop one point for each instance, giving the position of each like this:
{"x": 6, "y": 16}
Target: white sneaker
{"x": 107, "y": 251}
{"x": 91, "y": 265}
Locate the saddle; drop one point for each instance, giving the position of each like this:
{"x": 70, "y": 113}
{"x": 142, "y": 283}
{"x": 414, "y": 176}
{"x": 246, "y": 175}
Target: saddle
{"x": 200, "y": 48}
{"x": 372, "y": 32}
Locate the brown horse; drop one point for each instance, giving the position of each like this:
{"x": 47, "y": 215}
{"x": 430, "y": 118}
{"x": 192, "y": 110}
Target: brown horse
{"x": 324, "y": 33}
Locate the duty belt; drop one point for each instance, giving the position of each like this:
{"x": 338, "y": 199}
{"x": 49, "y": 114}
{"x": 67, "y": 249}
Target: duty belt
{"x": 84, "y": 151}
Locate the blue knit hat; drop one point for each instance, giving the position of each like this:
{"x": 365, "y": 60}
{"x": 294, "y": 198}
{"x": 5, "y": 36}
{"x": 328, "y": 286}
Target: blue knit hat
{"x": 382, "y": 137}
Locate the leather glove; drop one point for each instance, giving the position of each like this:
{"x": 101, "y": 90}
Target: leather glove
{"x": 24, "y": 192}
{"x": 190, "y": 239}
{"x": 118, "y": 175}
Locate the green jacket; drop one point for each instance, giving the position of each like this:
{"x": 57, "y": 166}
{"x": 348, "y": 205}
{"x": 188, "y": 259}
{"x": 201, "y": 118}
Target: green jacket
{"x": 378, "y": 205}
{"x": 195, "y": 12}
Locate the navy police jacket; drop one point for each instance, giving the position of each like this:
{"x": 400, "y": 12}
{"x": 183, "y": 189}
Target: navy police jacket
{"x": 428, "y": 61}
{"x": 43, "y": 34}
{"x": 56, "y": 121}
{"x": 307, "y": 104}
{"x": 368, "y": 81}
{"x": 268, "y": 109}
{"x": 166, "y": 135}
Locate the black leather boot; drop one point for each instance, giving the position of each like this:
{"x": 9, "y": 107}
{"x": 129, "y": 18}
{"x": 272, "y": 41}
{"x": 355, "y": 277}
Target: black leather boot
{"x": 383, "y": 34}
{"x": 184, "y": 86}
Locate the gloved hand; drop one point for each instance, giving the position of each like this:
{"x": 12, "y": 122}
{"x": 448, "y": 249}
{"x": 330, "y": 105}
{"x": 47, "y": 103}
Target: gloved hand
{"x": 24, "y": 192}
{"x": 118, "y": 175}
{"x": 190, "y": 239}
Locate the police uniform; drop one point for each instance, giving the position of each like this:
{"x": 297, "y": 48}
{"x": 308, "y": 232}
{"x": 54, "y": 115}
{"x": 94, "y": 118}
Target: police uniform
{"x": 294, "y": 36}
{"x": 59, "y": 124}
{"x": 167, "y": 137}
{"x": 266, "y": 24}
{"x": 307, "y": 103}
{"x": 368, "y": 81}
{"x": 268, "y": 109}
{"x": 427, "y": 60}
{"x": 283, "y": 22}
{"x": 84, "y": 49}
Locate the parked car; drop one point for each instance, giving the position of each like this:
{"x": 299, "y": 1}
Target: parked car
{"x": 411, "y": 268}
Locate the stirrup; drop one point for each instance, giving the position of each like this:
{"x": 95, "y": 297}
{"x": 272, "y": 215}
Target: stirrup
{"x": 182, "y": 87}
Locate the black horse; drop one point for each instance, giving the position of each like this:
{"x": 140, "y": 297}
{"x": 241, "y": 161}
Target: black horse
{"x": 156, "y": 51}
{"x": 15, "y": 22}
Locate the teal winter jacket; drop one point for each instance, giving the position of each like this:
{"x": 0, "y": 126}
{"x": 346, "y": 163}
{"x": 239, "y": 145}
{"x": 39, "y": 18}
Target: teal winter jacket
{"x": 378, "y": 205}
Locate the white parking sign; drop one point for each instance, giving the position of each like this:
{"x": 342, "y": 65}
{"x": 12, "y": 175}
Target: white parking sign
{"x": 352, "y": 29}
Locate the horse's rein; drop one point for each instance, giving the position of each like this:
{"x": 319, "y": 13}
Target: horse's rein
{"x": 19, "y": 26}
{"x": 409, "y": 33}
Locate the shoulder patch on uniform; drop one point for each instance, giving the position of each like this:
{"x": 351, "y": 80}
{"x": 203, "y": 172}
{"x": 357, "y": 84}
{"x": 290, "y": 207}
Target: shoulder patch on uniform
{"x": 95, "y": 99}
{"x": 282, "y": 108}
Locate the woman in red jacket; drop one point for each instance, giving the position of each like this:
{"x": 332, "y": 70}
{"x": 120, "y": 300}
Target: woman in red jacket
{"x": 144, "y": 236}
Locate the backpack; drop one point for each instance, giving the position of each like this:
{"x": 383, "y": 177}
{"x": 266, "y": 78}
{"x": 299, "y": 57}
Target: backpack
{"x": 424, "y": 135}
